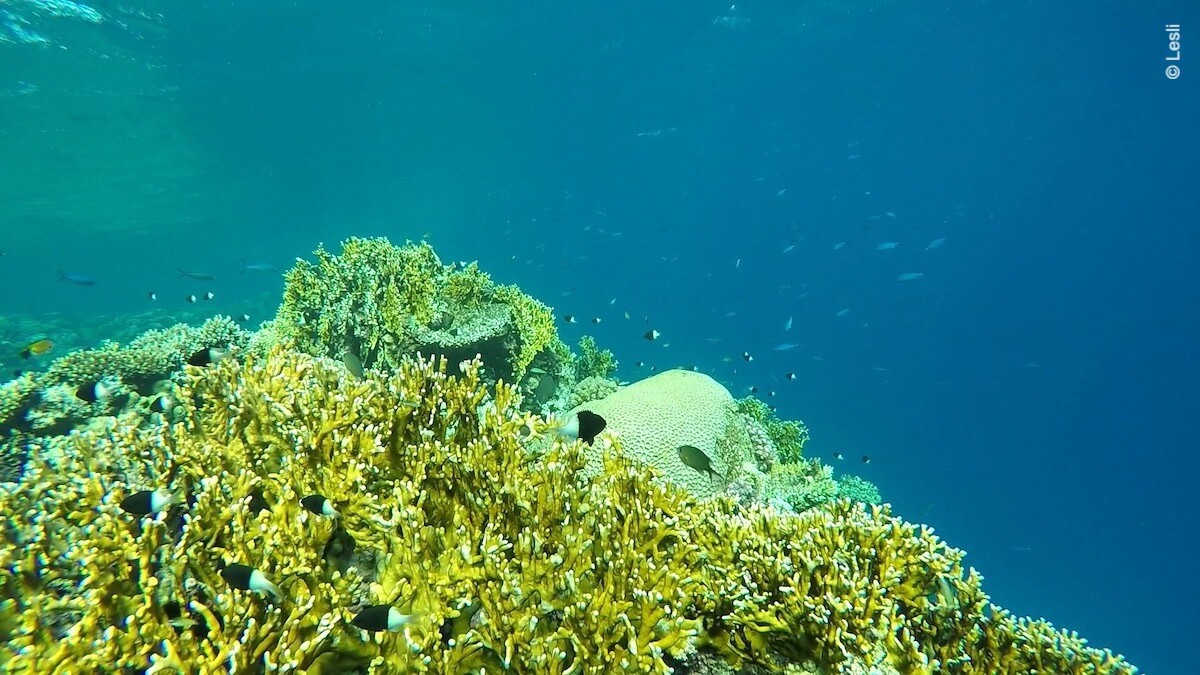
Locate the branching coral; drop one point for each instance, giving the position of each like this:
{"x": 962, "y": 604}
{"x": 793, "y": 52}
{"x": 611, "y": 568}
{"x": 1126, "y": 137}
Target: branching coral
{"x": 385, "y": 303}
{"x": 788, "y": 436}
{"x": 505, "y": 560}
{"x": 593, "y": 361}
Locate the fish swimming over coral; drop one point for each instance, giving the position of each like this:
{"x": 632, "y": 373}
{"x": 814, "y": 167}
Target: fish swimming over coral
{"x": 697, "y": 459}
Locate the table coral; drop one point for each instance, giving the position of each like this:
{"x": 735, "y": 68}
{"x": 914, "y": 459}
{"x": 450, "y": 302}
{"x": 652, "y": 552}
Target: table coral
{"x": 506, "y": 560}
{"x": 385, "y": 303}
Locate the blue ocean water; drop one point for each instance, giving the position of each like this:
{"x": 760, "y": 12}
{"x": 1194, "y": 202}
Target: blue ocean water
{"x": 717, "y": 172}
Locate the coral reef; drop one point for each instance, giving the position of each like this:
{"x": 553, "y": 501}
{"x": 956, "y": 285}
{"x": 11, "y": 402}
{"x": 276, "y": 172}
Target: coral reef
{"x": 787, "y": 436}
{"x": 858, "y": 489}
{"x": 593, "y": 361}
{"x": 592, "y": 388}
{"x": 385, "y": 303}
{"x": 653, "y": 417}
{"x": 494, "y": 558}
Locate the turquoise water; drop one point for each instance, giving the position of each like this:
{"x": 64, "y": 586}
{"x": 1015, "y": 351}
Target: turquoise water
{"x": 716, "y": 172}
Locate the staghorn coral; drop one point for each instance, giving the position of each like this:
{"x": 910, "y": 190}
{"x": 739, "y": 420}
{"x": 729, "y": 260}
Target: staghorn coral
{"x": 507, "y": 561}
{"x": 385, "y": 303}
{"x": 801, "y": 485}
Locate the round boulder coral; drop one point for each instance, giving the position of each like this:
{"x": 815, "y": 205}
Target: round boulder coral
{"x": 652, "y": 418}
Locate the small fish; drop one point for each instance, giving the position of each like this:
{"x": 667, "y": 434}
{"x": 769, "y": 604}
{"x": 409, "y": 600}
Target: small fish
{"x": 584, "y": 425}
{"x": 838, "y": 456}
{"x": 747, "y": 357}
{"x": 152, "y": 295}
{"x": 785, "y": 346}
{"x": 753, "y": 389}
{"x": 353, "y": 365}
{"x": 887, "y": 246}
{"x": 209, "y": 295}
{"x": 37, "y": 348}
{"x": 639, "y": 364}
{"x": 596, "y": 320}
{"x": 936, "y": 243}
{"x": 76, "y": 278}
{"x": 567, "y": 294}
{"x": 790, "y": 377}
{"x": 257, "y": 267}
{"x": 839, "y": 246}
{"x": 569, "y": 319}
{"x": 771, "y": 392}
{"x": 738, "y": 263}
{"x": 910, "y": 276}
{"x": 377, "y": 618}
{"x": 246, "y": 578}
{"x": 695, "y": 458}
{"x": 244, "y": 318}
{"x": 788, "y": 324}
{"x": 651, "y": 335}
{"x": 162, "y": 404}
{"x": 627, "y": 316}
{"x": 198, "y": 276}
{"x": 866, "y": 459}
{"x": 612, "y": 302}
{"x": 191, "y": 297}
{"x": 843, "y": 312}
{"x": 207, "y": 357}
{"x": 890, "y": 214}
{"x": 147, "y": 502}
{"x": 319, "y": 505}
{"x": 92, "y": 392}
{"x": 789, "y": 248}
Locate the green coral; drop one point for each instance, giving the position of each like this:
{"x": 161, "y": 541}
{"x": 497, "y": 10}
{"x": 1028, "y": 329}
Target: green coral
{"x": 593, "y": 361}
{"x": 858, "y": 489}
{"x": 507, "y": 561}
{"x": 801, "y": 485}
{"x": 788, "y": 436}
{"x": 385, "y": 303}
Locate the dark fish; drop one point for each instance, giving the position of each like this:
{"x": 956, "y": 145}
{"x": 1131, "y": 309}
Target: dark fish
{"x": 595, "y": 319}
{"x": 198, "y": 276}
{"x": 152, "y": 295}
{"x": 244, "y": 318}
{"x": 585, "y": 425}
{"x": 76, "y": 278}
{"x": 146, "y": 502}
{"x": 747, "y": 356}
{"x": 319, "y": 505}
{"x": 639, "y": 364}
{"x": 208, "y": 356}
{"x": 36, "y": 348}
{"x": 695, "y": 458}
{"x": 209, "y": 295}
{"x": 353, "y": 364}
{"x": 839, "y": 456}
{"x": 246, "y": 578}
{"x": 92, "y": 392}
{"x": 257, "y": 267}
{"x": 590, "y": 425}
{"x": 162, "y": 404}
{"x": 753, "y": 389}
{"x": 380, "y": 618}
{"x": 569, "y": 319}
{"x": 191, "y": 297}
{"x": 651, "y": 335}
{"x": 866, "y": 459}
{"x": 790, "y": 376}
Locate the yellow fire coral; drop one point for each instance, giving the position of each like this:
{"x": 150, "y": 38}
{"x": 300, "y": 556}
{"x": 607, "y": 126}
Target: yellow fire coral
{"x": 503, "y": 559}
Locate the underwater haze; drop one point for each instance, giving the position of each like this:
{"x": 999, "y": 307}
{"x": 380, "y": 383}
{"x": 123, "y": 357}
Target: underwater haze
{"x": 969, "y": 229}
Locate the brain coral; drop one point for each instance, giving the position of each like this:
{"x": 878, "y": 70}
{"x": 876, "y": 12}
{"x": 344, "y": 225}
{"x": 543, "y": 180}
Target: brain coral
{"x": 655, "y": 416}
